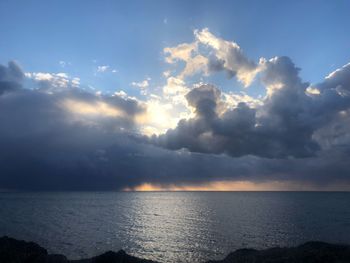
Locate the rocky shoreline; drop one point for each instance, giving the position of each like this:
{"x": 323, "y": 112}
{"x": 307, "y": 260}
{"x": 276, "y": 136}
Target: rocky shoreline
{"x": 18, "y": 251}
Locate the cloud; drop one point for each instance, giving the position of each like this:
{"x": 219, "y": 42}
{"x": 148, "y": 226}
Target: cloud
{"x": 64, "y": 64}
{"x": 285, "y": 124}
{"x": 175, "y": 90}
{"x": 49, "y": 135}
{"x": 209, "y": 54}
{"x": 54, "y": 135}
{"x": 142, "y": 84}
{"x": 227, "y": 56}
{"x": 102, "y": 68}
{"x": 181, "y": 52}
{"x": 10, "y": 77}
{"x": 50, "y": 81}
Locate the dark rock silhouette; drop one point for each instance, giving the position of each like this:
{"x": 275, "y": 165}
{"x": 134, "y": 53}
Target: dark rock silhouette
{"x": 310, "y": 252}
{"x": 18, "y": 251}
{"x": 113, "y": 257}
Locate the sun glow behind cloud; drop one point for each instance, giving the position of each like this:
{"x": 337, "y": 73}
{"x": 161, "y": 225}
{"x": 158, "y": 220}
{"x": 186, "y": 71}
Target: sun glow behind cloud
{"x": 240, "y": 186}
{"x": 92, "y": 109}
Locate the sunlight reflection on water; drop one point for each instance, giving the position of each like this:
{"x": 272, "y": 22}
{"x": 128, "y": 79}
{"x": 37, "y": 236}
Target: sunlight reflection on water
{"x": 173, "y": 227}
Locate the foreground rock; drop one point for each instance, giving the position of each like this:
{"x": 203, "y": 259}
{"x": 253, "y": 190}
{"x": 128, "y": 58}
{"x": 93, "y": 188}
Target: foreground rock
{"x": 310, "y": 252}
{"x": 112, "y": 257}
{"x": 17, "y": 251}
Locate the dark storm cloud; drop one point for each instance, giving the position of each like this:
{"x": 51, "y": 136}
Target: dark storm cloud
{"x": 10, "y": 77}
{"x": 46, "y": 145}
{"x": 47, "y": 139}
{"x": 284, "y": 126}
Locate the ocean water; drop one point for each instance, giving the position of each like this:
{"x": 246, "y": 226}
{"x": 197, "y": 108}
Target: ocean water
{"x": 173, "y": 226}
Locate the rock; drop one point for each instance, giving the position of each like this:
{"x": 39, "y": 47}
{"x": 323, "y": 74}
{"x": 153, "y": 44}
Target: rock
{"x": 56, "y": 258}
{"x": 310, "y": 252}
{"x": 113, "y": 257}
{"x": 17, "y": 251}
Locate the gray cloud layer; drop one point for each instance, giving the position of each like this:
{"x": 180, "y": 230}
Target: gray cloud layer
{"x": 10, "y": 77}
{"x": 293, "y": 135}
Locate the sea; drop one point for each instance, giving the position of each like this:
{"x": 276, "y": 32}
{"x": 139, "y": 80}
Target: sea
{"x": 173, "y": 226}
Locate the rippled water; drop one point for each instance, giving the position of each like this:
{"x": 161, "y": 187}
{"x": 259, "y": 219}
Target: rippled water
{"x": 176, "y": 226}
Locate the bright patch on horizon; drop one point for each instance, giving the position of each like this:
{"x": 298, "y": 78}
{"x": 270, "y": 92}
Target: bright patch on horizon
{"x": 218, "y": 186}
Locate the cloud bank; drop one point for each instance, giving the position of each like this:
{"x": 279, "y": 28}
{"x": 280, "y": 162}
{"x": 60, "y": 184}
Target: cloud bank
{"x": 58, "y": 136}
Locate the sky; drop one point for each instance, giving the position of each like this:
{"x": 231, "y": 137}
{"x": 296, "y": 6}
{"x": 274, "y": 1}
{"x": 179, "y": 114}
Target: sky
{"x": 174, "y": 95}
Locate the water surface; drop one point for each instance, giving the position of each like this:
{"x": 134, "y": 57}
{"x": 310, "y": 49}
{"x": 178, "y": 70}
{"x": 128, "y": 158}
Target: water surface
{"x": 173, "y": 226}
